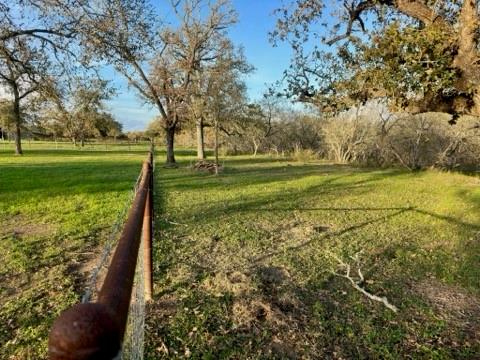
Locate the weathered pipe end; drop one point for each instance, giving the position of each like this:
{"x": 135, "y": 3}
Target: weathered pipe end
{"x": 84, "y": 332}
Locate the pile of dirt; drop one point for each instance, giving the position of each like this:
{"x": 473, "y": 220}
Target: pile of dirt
{"x": 265, "y": 298}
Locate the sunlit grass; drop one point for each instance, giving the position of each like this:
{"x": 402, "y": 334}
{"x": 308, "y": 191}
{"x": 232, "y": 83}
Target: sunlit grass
{"x": 57, "y": 208}
{"x": 244, "y": 262}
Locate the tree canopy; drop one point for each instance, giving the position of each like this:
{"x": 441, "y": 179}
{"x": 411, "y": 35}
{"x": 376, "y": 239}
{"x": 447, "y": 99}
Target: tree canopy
{"x": 422, "y": 55}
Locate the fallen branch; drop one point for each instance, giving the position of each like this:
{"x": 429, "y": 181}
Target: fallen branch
{"x": 203, "y": 165}
{"x": 173, "y": 222}
{"x": 357, "y": 283}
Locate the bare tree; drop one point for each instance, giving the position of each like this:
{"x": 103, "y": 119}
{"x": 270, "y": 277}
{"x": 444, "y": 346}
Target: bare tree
{"x": 79, "y": 111}
{"x": 226, "y": 93}
{"x": 228, "y": 67}
{"x": 251, "y": 126}
{"x": 40, "y": 43}
{"x": 130, "y": 37}
{"x": 126, "y": 36}
{"x": 189, "y": 50}
{"x": 345, "y": 135}
{"x": 22, "y": 69}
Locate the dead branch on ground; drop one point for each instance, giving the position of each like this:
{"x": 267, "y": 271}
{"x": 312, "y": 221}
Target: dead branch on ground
{"x": 357, "y": 284}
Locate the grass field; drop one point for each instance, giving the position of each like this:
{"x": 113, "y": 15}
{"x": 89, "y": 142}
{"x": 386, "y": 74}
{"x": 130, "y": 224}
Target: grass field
{"x": 8, "y": 146}
{"x": 245, "y": 262}
{"x": 57, "y": 208}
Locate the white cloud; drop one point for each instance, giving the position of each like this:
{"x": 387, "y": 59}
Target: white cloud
{"x": 131, "y": 112}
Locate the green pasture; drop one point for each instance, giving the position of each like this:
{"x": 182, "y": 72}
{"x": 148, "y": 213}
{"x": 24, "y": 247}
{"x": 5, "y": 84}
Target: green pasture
{"x": 247, "y": 264}
{"x": 57, "y": 209}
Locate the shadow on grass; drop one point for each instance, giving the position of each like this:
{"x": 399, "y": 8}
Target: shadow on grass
{"x": 469, "y": 266}
{"x": 69, "y": 178}
{"x": 75, "y": 152}
{"x": 281, "y": 200}
{"x": 334, "y": 233}
{"x": 255, "y": 176}
{"x": 347, "y": 324}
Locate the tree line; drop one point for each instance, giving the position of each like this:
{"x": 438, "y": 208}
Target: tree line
{"x": 50, "y": 65}
{"x": 369, "y": 135}
{"x": 83, "y": 117}
{"x": 413, "y": 57}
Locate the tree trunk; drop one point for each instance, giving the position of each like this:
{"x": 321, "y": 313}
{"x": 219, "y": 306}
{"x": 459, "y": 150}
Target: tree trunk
{"x": 200, "y": 140}
{"x": 216, "y": 147}
{"x": 18, "y": 120}
{"x": 18, "y": 140}
{"x": 467, "y": 54}
{"x": 170, "y": 136}
{"x": 467, "y": 58}
{"x": 255, "y": 148}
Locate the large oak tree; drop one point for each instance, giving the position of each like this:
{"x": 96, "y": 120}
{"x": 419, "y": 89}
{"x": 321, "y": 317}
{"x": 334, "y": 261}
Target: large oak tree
{"x": 422, "y": 54}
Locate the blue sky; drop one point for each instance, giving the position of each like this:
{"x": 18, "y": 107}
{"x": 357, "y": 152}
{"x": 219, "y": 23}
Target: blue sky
{"x": 255, "y": 21}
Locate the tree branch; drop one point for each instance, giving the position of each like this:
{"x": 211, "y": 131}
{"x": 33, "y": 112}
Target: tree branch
{"x": 15, "y": 33}
{"x": 412, "y": 8}
{"x": 357, "y": 284}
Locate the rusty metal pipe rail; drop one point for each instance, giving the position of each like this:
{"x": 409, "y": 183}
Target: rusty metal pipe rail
{"x": 94, "y": 331}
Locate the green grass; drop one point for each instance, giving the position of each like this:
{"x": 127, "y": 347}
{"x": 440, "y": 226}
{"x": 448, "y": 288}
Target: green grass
{"x": 57, "y": 208}
{"x": 95, "y": 145}
{"x": 244, "y": 262}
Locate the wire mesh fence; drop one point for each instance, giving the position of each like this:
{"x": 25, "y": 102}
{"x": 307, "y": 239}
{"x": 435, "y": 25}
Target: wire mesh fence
{"x": 118, "y": 310}
{"x": 98, "y": 273}
{"x": 133, "y": 343}
{"x": 93, "y": 145}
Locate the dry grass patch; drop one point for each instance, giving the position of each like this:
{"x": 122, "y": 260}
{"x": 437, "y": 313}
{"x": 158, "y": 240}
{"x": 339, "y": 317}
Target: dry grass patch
{"x": 460, "y": 309}
{"x": 19, "y": 226}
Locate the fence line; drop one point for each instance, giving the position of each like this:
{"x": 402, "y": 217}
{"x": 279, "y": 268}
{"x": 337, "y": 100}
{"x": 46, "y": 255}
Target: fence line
{"x": 98, "y": 145}
{"x": 96, "y": 330}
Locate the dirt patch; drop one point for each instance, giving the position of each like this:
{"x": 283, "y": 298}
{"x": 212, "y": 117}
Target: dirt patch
{"x": 272, "y": 302}
{"x": 88, "y": 272}
{"x": 453, "y": 304}
{"x": 235, "y": 283}
{"x": 282, "y": 350}
{"x": 273, "y": 276}
{"x": 164, "y": 307}
{"x": 279, "y": 290}
{"x": 19, "y": 226}
{"x": 88, "y": 266}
